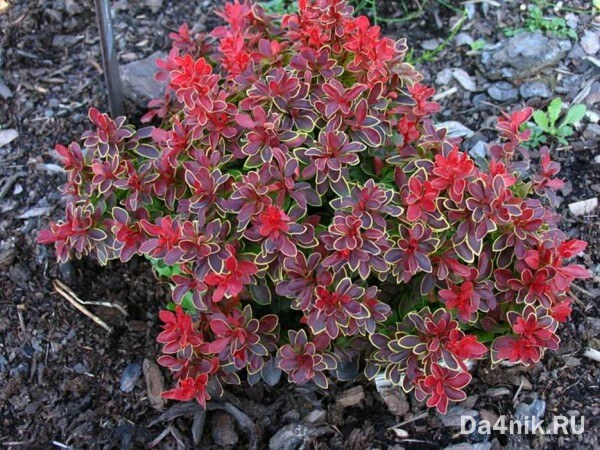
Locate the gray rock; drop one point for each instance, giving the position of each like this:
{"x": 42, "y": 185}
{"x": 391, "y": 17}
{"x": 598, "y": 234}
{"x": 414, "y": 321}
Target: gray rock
{"x": 590, "y": 42}
{"x": 463, "y": 38}
{"x": 527, "y": 413}
{"x": 130, "y": 375}
{"x": 479, "y": 150}
{"x": 503, "y": 91}
{"x": 223, "y": 430}
{"x": 592, "y": 131}
{"x": 464, "y": 79}
{"x": 466, "y": 446}
{"x": 7, "y": 136}
{"x": 453, "y": 417}
{"x": 576, "y": 52}
{"x": 443, "y": 77}
{"x": 292, "y": 436}
{"x": 154, "y": 5}
{"x": 523, "y": 56}
{"x": 316, "y": 416}
{"x": 431, "y": 44}
{"x": 72, "y": 7}
{"x": 139, "y": 84}
{"x": 5, "y": 91}
{"x": 455, "y": 129}
{"x": 534, "y": 89}
{"x": 291, "y": 416}
{"x": 479, "y": 99}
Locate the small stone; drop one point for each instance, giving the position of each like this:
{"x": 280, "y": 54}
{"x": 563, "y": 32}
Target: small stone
{"x": 154, "y": 5}
{"x": 590, "y": 42}
{"x": 479, "y": 150}
{"x": 73, "y": 7}
{"x": 453, "y": 418}
{"x": 223, "y": 430}
{"x": 480, "y": 100}
{"x": 139, "y": 84}
{"x": 523, "y": 56}
{"x": 155, "y": 383}
{"x": 431, "y": 44}
{"x": 576, "y": 53}
{"x": 466, "y": 446}
{"x": 316, "y": 416}
{"x": 592, "y": 131}
{"x": 5, "y": 91}
{"x": 130, "y": 375}
{"x": 583, "y": 207}
{"x": 503, "y": 92}
{"x": 534, "y": 89}
{"x": 455, "y": 129}
{"x": 22, "y": 368}
{"x": 351, "y": 397}
{"x": 528, "y": 412}
{"x": 464, "y": 79}
{"x": 291, "y": 416}
{"x": 470, "y": 401}
{"x": 463, "y": 38}
{"x": 79, "y": 368}
{"x": 443, "y": 77}
{"x": 292, "y": 436}
{"x": 400, "y": 433}
{"x": 7, "y": 136}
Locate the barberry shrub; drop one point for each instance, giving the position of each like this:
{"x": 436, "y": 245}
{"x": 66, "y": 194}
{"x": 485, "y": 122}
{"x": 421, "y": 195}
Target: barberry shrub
{"x": 310, "y": 217}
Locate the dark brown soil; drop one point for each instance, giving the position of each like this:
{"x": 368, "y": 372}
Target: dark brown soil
{"x": 60, "y": 373}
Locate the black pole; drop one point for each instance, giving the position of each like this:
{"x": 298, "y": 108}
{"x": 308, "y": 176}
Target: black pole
{"x": 109, "y": 58}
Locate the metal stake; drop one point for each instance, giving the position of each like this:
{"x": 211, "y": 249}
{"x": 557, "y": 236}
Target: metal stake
{"x": 109, "y": 58}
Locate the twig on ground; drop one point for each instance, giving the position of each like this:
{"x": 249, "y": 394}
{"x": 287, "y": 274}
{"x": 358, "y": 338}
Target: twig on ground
{"x": 518, "y": 390}
{"x": 582, "y": 290}
{"x": 574, "y": 297}
{"x": 70, "y": 296}
{"x": 413, "y": 419}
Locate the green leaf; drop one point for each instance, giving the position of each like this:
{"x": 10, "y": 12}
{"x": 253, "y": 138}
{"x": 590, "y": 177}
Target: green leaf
{"x": 187, "y": 302}
{"x": 554, "y": 109}
{"x": 574, "y": 115}
{"x": 486, "y": 336}
{"x": 541, "y": 120}
{"x": 565, "y": 131}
